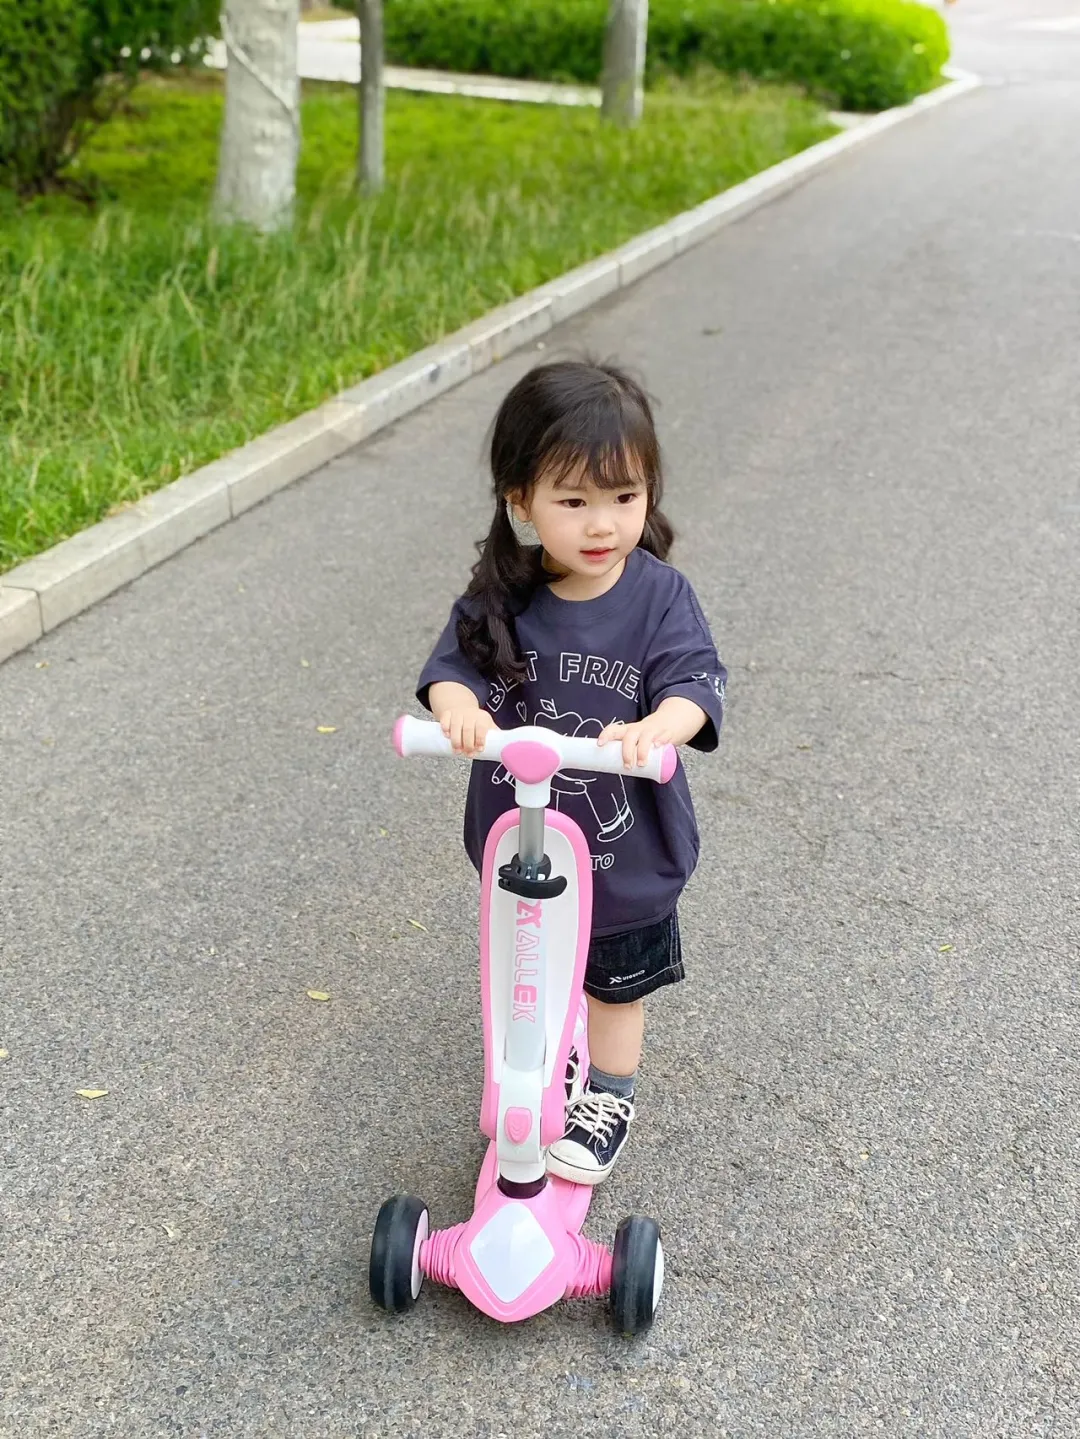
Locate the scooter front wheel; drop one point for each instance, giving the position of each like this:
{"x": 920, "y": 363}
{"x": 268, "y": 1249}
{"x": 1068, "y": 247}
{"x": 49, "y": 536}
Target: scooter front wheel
{"x": 394, "y": 1274}
{"x": 637, "y": 1274}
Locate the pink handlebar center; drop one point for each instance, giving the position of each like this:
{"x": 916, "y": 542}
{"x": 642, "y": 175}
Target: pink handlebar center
{"x": 399, "y": 736}
{"x": 530, "y": 761}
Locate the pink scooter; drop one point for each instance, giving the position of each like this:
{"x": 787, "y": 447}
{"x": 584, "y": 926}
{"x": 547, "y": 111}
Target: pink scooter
{"x": 523, "y": 1250}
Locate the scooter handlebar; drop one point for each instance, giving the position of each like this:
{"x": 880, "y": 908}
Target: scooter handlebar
{"x": 425, "y": 737}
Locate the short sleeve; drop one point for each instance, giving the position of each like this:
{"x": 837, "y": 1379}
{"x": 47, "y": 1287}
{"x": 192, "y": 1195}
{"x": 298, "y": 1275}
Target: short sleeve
{"x": 682, "y": 661}
{"x": 447, "y": 663}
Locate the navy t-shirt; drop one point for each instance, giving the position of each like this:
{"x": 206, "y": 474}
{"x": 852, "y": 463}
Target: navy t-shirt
{"x": 592, "y": 662}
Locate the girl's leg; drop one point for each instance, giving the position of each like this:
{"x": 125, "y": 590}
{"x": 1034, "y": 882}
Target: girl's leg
{"x": 597, "y": 1122}
{"x": 625, "y": 968}
{"x": 615, "y": 1035}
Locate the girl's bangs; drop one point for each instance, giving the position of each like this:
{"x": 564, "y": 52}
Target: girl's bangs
{"x": 607, "y": 466}
{"x": 606, "y": 438}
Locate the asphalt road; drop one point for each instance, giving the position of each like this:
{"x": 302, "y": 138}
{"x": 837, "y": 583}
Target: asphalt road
{"x": 858, "y": 1116}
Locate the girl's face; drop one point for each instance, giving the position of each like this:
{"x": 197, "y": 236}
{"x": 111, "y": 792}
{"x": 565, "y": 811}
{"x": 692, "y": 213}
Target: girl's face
{"x": 587, "y": 532}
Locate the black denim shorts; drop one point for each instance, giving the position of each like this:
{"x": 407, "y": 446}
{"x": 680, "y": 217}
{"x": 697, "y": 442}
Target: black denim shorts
{"x": 625, "y": 967}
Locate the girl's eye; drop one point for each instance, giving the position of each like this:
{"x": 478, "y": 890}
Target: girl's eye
{"x": 574, "y": 502}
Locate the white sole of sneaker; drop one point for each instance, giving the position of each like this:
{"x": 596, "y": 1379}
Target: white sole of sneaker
{"x": 575, "y": 1175}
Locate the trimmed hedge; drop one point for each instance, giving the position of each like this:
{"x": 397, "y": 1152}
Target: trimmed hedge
{"x": 857, "y": 54}
{"x": 64, "y": 64}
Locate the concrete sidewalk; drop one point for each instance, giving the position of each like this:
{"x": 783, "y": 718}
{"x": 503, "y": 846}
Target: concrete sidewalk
{"x": 857, "y": 1116}
{"x": 330, "y": 50}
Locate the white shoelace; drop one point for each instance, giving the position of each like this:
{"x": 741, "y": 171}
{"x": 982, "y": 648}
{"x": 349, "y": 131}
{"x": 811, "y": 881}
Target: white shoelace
{"x": 599, "y": 1112}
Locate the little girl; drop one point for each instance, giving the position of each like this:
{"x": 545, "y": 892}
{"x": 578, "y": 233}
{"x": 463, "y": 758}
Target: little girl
{"x": 573, "y": 620}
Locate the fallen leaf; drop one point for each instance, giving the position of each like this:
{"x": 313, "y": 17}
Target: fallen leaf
{"x": 383, "y": 832}
{"x": 42, "y": 665}
{"x": 4, "y": 1055}
{"x": 804, "y": 746}
{"x": 169, "y": 1231}
{"x": 305, "y": 664}
{"x": 317, "y": 994}
{"x": 327, "y": 729}
{"x": 417, "y": 925}
{"x": 945, "y": 948}
{"x": 91, "y": 1093}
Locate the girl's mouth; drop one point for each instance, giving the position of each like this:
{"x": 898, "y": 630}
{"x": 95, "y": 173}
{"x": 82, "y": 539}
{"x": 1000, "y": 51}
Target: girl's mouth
{"x": 597, "y": 554}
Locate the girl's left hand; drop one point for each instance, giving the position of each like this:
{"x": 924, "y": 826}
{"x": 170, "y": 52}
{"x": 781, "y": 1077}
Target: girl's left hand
{"x": 638, "y": 739}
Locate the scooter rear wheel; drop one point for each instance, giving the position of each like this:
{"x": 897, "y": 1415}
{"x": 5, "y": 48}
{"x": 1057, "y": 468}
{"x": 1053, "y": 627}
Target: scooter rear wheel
{"x": 637, "y": 1274}
{"x": 394, "y": 1274}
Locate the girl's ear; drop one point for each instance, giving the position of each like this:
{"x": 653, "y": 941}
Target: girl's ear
{"x": 518, "y": 502}
{"x": 520, "y": 514}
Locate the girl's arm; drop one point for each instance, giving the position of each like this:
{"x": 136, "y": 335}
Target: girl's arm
{"x": 680, "y": 719}
{"x": 674, "y": 721}
{"x": 448, "y": 694}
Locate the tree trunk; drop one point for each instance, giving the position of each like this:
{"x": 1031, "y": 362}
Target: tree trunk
{"x": 260, "y": 139}
{"x": 372, "y": 97}
{"x": 624, "y": 61}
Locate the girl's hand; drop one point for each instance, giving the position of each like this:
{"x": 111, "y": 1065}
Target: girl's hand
{"x": 466, "y": 729}
{"x": 638, "y": 739}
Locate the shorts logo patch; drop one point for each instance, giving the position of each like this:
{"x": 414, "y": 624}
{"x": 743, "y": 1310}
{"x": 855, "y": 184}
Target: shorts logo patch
{"x": 625, "y": 978}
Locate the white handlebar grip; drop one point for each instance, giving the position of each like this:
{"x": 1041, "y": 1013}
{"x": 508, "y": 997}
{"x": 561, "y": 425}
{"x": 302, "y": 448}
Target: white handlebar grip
{"x": 660, "y": 766}
{"x": 425, "y": 737}
{"x": 417, "y": 736}
{"x": 607, "y": 759}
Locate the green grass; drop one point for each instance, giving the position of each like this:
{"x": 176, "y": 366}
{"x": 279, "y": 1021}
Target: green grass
{"x": 139, "y": 342}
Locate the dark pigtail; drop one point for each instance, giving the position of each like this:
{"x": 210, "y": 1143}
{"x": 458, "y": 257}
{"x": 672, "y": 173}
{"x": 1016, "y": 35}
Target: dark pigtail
{"x": 503, "y": 579}
{"x": 658, "y": 536}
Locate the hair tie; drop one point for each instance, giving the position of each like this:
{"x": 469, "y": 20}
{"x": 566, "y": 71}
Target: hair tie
{"x": 524, "y": 530}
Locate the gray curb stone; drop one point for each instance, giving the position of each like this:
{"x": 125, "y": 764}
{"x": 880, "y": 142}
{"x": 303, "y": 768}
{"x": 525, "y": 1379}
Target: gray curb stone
{"x": 80, "y": 571}
{"x": 20, "y": 620}
{"x": 37, "y": 596}
{"x": 579, "y": 289}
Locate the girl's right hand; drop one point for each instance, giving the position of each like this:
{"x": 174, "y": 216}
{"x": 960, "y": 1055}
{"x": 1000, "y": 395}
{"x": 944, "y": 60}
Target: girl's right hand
{"x": 467, "y": 730}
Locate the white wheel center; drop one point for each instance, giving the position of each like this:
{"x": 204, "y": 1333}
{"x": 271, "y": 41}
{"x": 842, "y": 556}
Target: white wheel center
{"x": 421, "y": 1234}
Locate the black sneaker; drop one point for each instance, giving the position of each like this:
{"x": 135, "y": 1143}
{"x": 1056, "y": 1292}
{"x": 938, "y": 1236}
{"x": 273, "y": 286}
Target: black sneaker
{"x": 596, "y": 1128}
